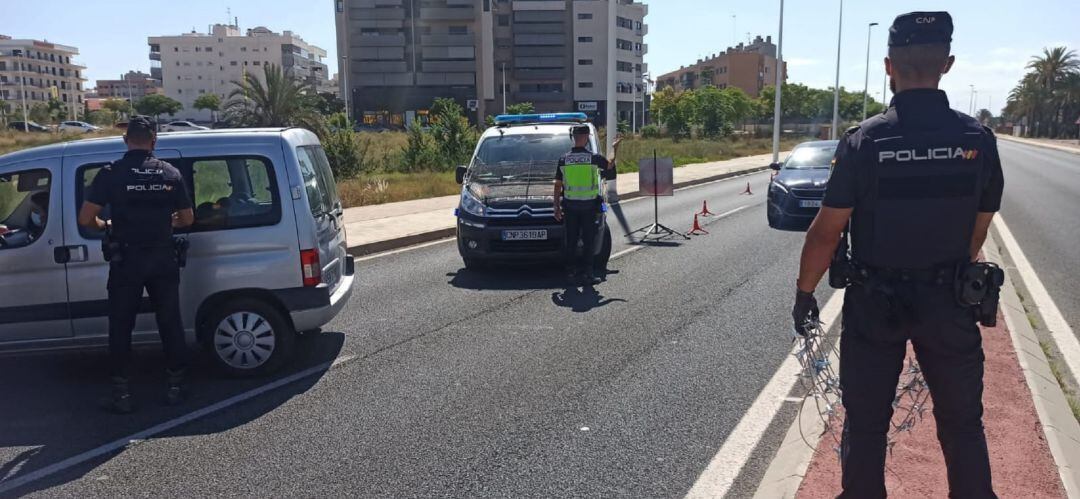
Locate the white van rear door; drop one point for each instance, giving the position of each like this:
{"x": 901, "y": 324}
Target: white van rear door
{"x": 326, "y": 209}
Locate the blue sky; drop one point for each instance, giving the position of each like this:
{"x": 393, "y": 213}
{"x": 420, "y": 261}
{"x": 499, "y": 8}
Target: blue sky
{"x": 992, "y": 42}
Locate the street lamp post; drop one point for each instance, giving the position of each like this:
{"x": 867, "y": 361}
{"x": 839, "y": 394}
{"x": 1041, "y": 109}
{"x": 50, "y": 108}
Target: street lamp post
{"x": 779, "y": 84}
{"x": 836, "y": 88}
{"x": 866, "y": 79}
{"x": 22, "y": 93}
{"x": 971, "y": 99}
{"x": 345, "y": 86}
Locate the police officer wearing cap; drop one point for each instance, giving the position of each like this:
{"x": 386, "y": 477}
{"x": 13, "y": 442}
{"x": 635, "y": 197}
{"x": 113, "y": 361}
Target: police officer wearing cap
{"x": 578, "y": 202}
{"x": 919, "y": 185}
{"x": 147, "y": 198}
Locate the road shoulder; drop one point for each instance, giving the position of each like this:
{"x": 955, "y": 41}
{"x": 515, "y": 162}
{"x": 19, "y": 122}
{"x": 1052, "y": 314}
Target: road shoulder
{"x": 1039, "y": 143}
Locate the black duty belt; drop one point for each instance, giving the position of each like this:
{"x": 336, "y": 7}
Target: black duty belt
{"x": 938, "y": 276}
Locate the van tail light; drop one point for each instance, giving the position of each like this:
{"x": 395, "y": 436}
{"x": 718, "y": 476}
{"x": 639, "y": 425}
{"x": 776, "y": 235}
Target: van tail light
{"x": 309, "y": 265}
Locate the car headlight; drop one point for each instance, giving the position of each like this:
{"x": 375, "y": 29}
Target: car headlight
{"x": 470, "y": 204}
{"x": 777, "y": 188}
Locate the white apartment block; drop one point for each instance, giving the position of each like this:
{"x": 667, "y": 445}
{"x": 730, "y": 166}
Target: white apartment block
{"x": 193, "y": 64}
{"x": 591, "y": 29}
{"x": 40, "y": 70}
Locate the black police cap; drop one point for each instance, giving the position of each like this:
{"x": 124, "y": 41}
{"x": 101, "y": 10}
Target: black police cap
{"x": 141, "y": 124}
{"x": 580, "y": 130}
{"x": 916, "y": 28}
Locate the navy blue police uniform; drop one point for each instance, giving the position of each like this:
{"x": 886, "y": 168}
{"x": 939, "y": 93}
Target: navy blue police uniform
{"x": 142, "y": 193}
{"x": 581, "y": 218}
{"x": 915, "y": 177}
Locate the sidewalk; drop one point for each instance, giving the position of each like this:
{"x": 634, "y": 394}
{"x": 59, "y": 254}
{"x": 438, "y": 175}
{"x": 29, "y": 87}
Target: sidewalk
{"x": 1068, "y": 145}
{"x": 375, "y": 228}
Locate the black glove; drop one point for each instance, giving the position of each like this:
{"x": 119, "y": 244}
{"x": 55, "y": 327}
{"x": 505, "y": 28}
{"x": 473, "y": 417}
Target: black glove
{"x": 805, "y": 312}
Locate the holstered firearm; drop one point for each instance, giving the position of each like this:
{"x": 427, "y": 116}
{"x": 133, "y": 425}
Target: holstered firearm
{"x": 111, "y": 249}
{"x": 844, "y": 271}
{"x": 181, "y": 245}
{"x": 978, "y": 285}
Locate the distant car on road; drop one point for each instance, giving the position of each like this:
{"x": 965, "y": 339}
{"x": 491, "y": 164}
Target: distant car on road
{"x": 181, "y": 126}
{"x": 795, "y": 194}
{"x": 28, "y": 126}
{"x": 77, "y": 126}
{"x": 506, "y": 213}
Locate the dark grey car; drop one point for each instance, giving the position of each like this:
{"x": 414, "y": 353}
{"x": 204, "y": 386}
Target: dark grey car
{"x": 795, "y": 194}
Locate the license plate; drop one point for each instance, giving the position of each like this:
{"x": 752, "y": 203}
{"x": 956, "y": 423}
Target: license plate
{"x": 810, "y": 203}
{"x": 524, "y": 235}
{"x": 330, "y": 277}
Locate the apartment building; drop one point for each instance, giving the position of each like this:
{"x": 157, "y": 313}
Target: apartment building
{"x": 40, "y": 71}
{"x": 750, "y": 67}
{"x": 399, "y": 55}
{"x": 192, "y": 64}
{"x": 132, "y": 86}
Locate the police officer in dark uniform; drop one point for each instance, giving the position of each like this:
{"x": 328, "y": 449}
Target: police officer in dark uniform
{"x": 147, "y": 198}
{"x": 578, "y": 201}
{"x": 920, "y": 185}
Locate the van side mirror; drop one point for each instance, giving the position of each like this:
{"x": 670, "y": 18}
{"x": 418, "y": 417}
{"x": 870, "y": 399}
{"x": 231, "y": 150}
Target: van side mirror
{"x": 775, "y": 166}
{"x": 459, "y": 174}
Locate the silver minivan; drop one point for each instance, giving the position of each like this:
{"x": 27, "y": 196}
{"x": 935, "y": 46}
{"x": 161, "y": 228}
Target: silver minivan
{"x": 267, "y": 257}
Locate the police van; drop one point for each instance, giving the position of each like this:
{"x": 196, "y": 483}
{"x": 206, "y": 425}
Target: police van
{"x": 267, "y": 253}
{"x": 506, "y": 212}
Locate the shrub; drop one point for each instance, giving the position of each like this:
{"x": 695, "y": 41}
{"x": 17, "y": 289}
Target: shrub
{"x": 650, "y": 131}
{"x": 346, "y": 153}
{"x": 419, "y": 152}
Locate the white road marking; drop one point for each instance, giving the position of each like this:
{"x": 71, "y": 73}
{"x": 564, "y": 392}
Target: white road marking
{"x": 626, "y": 251}
{"x": 720, "y": 474}
{"x": 1060, "y": 331}
{"x": 120, "y": 443}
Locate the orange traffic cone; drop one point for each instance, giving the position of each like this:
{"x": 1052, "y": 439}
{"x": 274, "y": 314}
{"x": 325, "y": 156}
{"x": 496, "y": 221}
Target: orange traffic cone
{"x": 705, "y": 210}
{"x": 747, "y": 191}
{"x": 696, "y": 229}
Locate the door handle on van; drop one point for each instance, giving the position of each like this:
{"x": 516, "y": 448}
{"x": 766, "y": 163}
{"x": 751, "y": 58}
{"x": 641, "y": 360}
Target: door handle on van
{"x": 70, "y": 254}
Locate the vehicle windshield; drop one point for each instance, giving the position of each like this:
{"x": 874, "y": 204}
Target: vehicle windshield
{"x": 811, "y": 157}
{"x": 519, "y": 157}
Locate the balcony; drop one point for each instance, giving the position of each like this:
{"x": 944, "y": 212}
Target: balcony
{"x": 541, "y": 96}
{"x": 155, "y": 56}
{"x": 539, "y": 74}
{"x": 448, "y": 40}
{"x": 448, "y": 66}
{"x": 539, "y": 39}
{"x": 378, "y": 41}
{"x": 448, "y": 13}
{"x": 451, "y": 79}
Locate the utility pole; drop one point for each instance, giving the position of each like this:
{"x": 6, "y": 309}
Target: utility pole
{"x": 504, "y": 86}
{"x": 345, "y": 86}
{"x": 866, "y": 79}
{"x": 971, "y": 99}
{"x": 611, "y": 119}
{"x": 836, "y": 90}
{"x": 779, "y": 83}
{"x": 22, "y": 92}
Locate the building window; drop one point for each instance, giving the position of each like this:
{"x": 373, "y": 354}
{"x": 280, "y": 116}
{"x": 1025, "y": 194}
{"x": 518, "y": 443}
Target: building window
{"x": 504, "y": 20}
{"x": 584, "y": 62}
{"x": 585, "y": 84}
{"x": 340, "y": 5}
{"x": 176, "y": 49}
{"x": 584, "y": 39}
{"x": 211, "y": 49}
{"x": 243, "y": 49}
{"x": 256, "y": 63}
{"x": 459, "y": 30}
{"x": 232, "y": 63}
{"x": 583, "y": 16}
{"x": 198, "y": 49}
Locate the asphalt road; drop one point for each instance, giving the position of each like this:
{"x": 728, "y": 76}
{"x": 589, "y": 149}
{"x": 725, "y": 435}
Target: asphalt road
{"x": 452, "y": 383}
{"x": 1041, "y": 207}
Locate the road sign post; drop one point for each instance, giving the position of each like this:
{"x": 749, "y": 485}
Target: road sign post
{"x": 656, "y": 176}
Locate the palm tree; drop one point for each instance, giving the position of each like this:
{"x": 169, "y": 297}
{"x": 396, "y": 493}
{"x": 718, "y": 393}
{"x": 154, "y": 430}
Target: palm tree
{"x": 274, "y": 101}
{"x": 1050, "y": 71}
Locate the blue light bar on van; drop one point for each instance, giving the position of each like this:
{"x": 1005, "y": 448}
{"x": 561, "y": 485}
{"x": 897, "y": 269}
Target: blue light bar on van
{"x": 520, "y": 119}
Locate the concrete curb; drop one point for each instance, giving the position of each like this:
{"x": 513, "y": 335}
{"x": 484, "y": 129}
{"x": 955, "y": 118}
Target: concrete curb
{"x": 1061, "y": 429}
{"x": 1036, "y": 143}
{"x": 423, "y": 237}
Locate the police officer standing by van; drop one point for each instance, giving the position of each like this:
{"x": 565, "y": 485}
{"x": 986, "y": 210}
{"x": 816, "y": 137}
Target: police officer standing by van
{"x": 148, "y": 199}
{"x": 920, "y": 185}
{"x": 578, "y": 202}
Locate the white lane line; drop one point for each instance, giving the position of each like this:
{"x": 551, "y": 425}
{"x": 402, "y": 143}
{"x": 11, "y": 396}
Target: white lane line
{"x": 720, "y": 474}
{"x": 1060, "y": 331}
{"x": 626, "y": 251}
{"x": 403, "y": 250}
{"x": 115, "y": 445}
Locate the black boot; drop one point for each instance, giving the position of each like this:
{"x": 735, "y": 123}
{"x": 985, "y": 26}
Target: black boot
{"x": 175, "y": 393}
{"x": 119, "y": 402}
{"x": 590, "y": 278}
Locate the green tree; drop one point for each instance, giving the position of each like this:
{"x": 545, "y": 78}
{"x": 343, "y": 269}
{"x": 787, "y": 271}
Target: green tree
{"x": 102, "y": 117}
{"x": 58, "y": 111}
{"x": 673, "y": 110}
{"x": 710, "y": 110}
{"x": 984, "y": 116}
{"x": 208, "y": 102}
{"x": 328, "y": 104}
{"x": 347, "y": 154}
{"x": 521, "y": 108}
{"x": 39, "y": 113}
{"x": 119, "y": 106}
{"x": 5, "y": 112}
{"x": 419, "y": 152}
{"x": 275, "y": 101}
{"x": 338, "y": 121}
{"x": 156, "y": 105}
{"x": 453, "y": 136}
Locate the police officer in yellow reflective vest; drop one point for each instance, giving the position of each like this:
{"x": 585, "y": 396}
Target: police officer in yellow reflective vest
{"x": 578, "y": 203}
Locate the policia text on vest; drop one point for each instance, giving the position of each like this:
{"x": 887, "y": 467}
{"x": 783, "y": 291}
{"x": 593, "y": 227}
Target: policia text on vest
{"x": 578, "y": 203}
{"x": 916, "y": 187}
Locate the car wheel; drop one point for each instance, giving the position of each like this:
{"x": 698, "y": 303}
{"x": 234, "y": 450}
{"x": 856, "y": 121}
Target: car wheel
{"x": 249, "y": 338}
{"x": 773, "y": 219}
{"x": 601, "y": 259}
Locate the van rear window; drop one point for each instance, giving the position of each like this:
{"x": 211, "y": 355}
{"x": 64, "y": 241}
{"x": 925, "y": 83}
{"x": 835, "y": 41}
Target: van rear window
{"x": 318, "y": 180}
